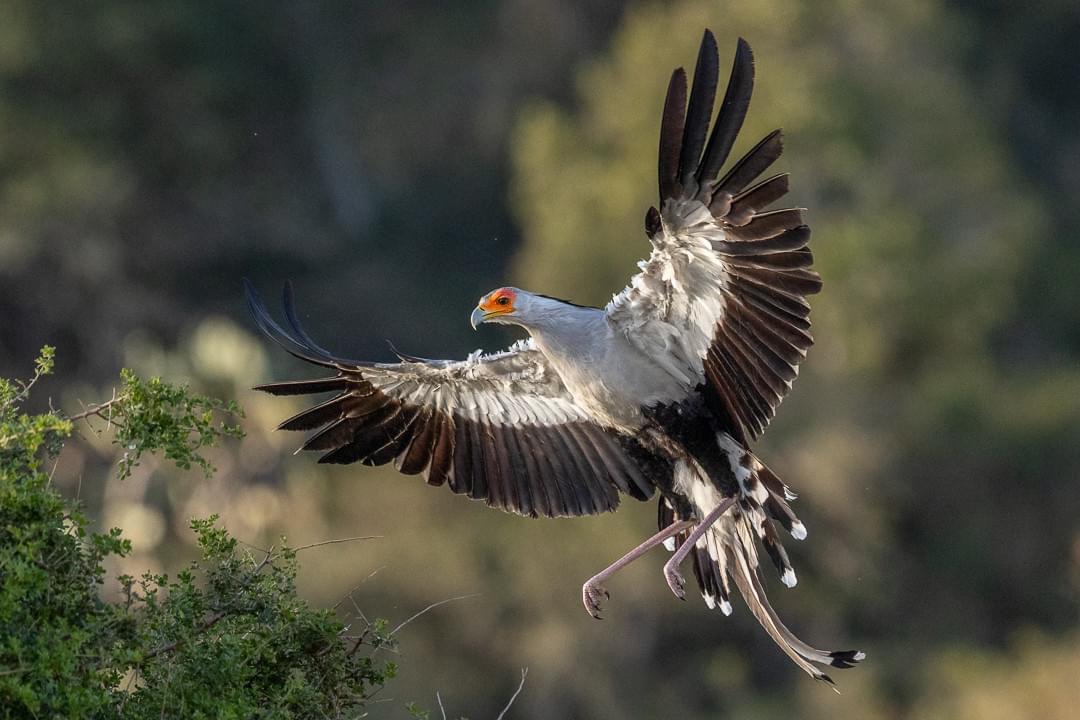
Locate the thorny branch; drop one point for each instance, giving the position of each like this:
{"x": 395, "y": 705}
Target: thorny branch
{"x": 103, "y": 411}
{"x": 348, "y": 595}
{"x": 44, "y": 367}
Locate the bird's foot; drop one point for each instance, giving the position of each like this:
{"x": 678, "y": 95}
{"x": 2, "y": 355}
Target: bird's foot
{"x": 592, "y": 592}
{"x": 675, "y": 581}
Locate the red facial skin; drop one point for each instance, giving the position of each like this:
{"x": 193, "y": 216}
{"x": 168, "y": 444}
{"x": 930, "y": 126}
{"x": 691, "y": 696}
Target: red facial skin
{"x": 499, "y": 302}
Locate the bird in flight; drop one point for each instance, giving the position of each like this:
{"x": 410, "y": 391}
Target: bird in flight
{"x": 658, "y": 393}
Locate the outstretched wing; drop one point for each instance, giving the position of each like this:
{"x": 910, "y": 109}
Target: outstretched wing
{"x": 722, "y": 298}
{"x": 499, "y": 427}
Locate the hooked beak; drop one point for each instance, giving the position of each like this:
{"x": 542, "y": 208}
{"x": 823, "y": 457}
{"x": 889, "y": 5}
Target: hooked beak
{"x": 477, "y": 317}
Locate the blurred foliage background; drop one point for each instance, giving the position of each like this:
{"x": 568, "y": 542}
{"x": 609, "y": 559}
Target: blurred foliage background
{"x": 396, "y": 163}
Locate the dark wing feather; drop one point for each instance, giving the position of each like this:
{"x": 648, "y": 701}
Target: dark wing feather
{"x": 501, "y": 427}
{"x": 699, "y": 112}
{"x": 721, "y": 300}
{"x": 732, "y": 109}
{"x": 671, "y": 133}
{"x": 750, "y": 166}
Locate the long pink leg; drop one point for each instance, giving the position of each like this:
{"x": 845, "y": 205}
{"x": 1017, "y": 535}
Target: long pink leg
{"x": 593, "y": 588}
{"x": 671, "y": 567}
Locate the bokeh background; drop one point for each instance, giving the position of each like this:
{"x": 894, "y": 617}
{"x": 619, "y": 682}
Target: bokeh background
{"x": 398, "y": 160}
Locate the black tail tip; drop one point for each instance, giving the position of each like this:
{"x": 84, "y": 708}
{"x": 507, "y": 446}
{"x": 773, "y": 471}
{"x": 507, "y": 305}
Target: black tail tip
{"x": 846, "y": 658}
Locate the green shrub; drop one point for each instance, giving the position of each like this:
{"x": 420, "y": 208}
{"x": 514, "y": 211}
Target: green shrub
{"x": 225, "y": 638}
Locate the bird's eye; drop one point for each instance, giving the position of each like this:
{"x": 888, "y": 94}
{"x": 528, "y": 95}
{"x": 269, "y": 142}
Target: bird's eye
{"x": 504, "y": 300}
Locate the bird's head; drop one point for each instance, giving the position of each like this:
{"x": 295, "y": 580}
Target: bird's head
{"x": 513, "y": 306}
{"x": 499, "y": 306}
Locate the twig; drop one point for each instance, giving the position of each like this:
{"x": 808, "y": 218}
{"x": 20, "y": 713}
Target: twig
{"x": 98, "y": 410}
{"x": 524, "y": 672}
{"x": 53, "y": 471}
{"x": 432, "y": 606}
{"x": 253, "y": 547}
{"x": 24, "y": 388}
{"x": 339, "y": 540}
{"x": 265, "y": 561}
{"x": 127, "y": 687}
{"x": 441, "y": 708}
{"x": 348, "y": 595}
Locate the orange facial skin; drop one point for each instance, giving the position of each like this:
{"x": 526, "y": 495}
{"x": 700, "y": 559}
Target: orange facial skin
{"x": 498, "y": 302}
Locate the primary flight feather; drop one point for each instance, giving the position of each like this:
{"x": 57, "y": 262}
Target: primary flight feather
{"x": 659, "y": 393}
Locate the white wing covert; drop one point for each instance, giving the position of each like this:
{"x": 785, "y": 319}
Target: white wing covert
{"x": 721, "y": 301}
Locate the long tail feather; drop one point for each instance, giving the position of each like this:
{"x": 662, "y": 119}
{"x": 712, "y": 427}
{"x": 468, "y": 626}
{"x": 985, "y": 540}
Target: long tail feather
{"x": 745, "y": 576}
{"x": 834, "y": 658}
{"x": 729, "y": 551}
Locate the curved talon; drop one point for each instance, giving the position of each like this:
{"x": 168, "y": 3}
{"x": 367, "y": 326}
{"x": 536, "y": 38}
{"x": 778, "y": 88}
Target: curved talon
{"x": 675, "y": 581}
{"x": 591, "y": 594}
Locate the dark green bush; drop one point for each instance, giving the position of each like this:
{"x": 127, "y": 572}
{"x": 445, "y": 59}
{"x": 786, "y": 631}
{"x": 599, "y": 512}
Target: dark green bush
{"x": 225, "y": 638}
